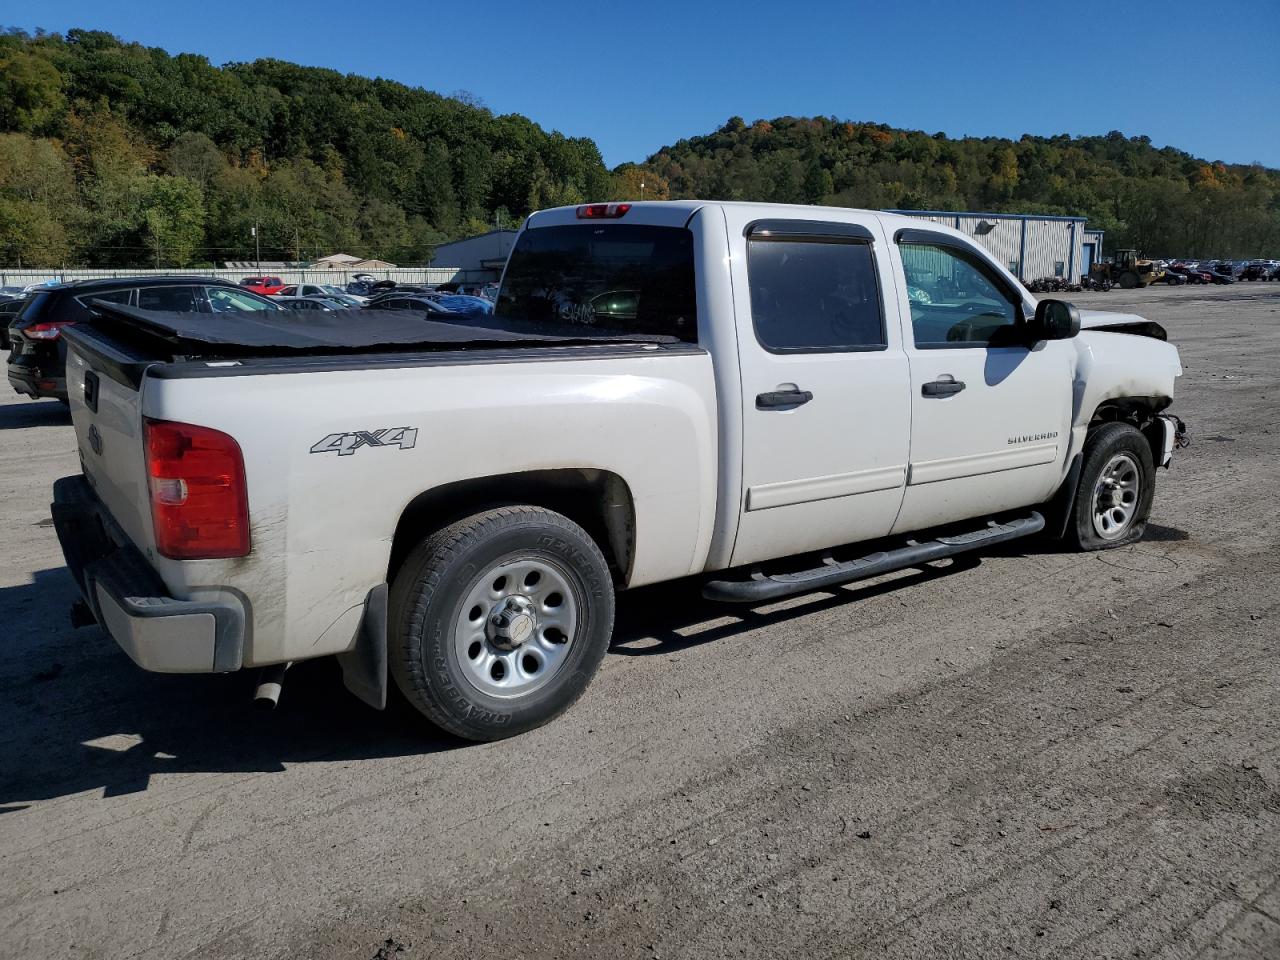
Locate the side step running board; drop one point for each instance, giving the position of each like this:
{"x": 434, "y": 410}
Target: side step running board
{"x": 761, "y": 588}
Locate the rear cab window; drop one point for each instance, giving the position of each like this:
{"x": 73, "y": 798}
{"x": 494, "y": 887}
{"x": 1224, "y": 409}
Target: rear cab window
{"x": 601, "y": 279}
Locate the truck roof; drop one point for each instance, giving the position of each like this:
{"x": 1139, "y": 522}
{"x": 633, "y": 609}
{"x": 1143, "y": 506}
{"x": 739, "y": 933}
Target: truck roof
{"x": 678, "y": 212}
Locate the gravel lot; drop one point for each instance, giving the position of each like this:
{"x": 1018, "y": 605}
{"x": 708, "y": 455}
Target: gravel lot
{"x": 1034, "y": 754}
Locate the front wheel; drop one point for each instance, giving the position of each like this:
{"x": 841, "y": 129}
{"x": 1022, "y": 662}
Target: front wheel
{"x": 499, "y": 621}
{"x": 1117, "y": 482}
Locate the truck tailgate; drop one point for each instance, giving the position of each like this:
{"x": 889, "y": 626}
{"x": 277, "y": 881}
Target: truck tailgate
{"x": 107, "y": 414}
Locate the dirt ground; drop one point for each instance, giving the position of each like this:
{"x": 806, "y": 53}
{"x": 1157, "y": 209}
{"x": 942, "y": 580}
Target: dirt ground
{"x": 1034, "y": 754}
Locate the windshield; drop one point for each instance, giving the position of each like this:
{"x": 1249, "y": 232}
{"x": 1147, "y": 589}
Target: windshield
{"x": 602, "y": 280}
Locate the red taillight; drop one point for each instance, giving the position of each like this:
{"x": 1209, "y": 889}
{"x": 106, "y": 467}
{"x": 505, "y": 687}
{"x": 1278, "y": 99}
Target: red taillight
{"x": 603, "y": 211}
{"x": 49, "y": 330}
{"x": 199, "y": 501}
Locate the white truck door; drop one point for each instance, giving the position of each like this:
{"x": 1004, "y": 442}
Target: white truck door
{"x": 990, "y": 409}
{"x": 824, "y": 382}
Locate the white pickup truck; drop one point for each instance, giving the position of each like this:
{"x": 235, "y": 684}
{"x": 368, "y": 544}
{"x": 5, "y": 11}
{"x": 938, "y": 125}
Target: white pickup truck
{"x": 772, "y": 398}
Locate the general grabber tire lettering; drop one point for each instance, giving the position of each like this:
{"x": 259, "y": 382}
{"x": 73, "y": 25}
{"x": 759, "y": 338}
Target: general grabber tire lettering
{"x": 1117, "y": 482}
{"x": 499, "y": 621}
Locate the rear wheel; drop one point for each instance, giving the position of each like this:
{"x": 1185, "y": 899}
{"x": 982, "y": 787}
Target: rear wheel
{"x": 1117, "y": 482}
{"x": 499, "y": 621}
{"x": 1128, "y": 280}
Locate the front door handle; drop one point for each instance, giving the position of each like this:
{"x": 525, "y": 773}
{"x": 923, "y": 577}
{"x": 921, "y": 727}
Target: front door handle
{"x": 782, "y": 398}
{"x": 942, "y": 388}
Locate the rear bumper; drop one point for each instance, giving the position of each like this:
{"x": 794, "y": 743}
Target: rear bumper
{"x": 37, "y": 381}
{"x": 127, "y": 598}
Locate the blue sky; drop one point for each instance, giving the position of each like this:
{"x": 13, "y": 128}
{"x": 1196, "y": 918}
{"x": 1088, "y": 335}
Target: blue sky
{"x": 635, "y": 77}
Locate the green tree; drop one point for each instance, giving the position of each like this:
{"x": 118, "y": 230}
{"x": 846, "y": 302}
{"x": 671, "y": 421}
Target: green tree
{"x": 31, "y": 95}
{"x": 172, "y": 218}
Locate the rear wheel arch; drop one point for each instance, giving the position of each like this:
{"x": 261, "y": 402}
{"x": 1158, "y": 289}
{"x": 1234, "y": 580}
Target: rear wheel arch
{"x": 599, "y": 501}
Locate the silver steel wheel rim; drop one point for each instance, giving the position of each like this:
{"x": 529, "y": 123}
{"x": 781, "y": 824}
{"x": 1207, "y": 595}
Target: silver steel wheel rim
{"x": 489, "y": 643}
{"x": 1115, "y": 497}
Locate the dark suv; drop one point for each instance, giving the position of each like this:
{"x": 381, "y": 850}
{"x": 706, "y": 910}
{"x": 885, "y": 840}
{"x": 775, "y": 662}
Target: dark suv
{"x": 38, "y": 357}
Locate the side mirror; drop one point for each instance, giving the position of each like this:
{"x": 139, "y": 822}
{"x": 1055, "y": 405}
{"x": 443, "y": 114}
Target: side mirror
{"x": 1055, "y": 320}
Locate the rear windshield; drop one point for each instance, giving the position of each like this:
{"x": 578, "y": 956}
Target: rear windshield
{"x": 34, "y": 306}
{"x": 604, "y": 279}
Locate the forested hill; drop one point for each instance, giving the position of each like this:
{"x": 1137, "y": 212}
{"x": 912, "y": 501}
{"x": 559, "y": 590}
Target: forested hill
{"x": 112, "y": 153}
{"x": 1163, "y": 201}
{"x": 115, "y": 153}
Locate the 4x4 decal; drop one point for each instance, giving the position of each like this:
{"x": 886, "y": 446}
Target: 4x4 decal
{"x": 345, "y": 444}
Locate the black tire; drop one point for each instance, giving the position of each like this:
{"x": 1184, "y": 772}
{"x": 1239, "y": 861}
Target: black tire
{"x": 425, "y": 603}
{"x": 1101, "y": 446}
{"x": 1128, "y": 281}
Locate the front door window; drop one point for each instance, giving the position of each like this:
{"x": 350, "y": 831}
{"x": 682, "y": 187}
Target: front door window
{"x": 955, "y": 299}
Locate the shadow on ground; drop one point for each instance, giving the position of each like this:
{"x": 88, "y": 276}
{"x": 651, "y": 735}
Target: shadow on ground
{"x": 37, "y": 413}
{"x": 78, "y": 715}
{"x": 670, "y": 617}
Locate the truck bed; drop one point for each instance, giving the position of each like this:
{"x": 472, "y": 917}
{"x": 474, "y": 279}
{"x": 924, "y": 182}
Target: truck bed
{"x": 250, "y": 333}
{"x": 126, "y": 342}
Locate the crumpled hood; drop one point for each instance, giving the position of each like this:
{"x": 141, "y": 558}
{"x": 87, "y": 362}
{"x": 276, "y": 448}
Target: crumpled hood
{"x": 1129, "y": 323}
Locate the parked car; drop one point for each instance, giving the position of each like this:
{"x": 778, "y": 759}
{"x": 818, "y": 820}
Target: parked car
{"x": 319, "y": 290}
{"x": 424, "y": 303}
{"x": 468, "y": 289}
{"x": 361, "y": 284}
{"x": 455, "y": 516}
{"x": 1171, "y": 277}
{"x": 1188, "y": 274}
{"x": 347, "y": 300}
{"x": 312, "y": 303}
{"x": 464, "y": 305}
{"x": 37, "y": 362}
{"x": 9, "y": 308}
{"x": 267, "y": 286}
{"x": 1257, "y": 270}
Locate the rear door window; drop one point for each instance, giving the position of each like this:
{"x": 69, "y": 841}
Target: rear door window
{"x": 601, "y": 279}
{"x": 113, "y": 296}
{"x": 814, "y": 295}
{"x": 172, "y": 299}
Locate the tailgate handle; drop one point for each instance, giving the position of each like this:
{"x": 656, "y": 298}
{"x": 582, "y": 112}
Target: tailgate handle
{"x": 91, "y": 390}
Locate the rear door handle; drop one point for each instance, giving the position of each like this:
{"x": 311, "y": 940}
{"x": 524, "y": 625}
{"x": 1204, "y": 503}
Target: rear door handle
{"x": 782, "y": 398}
{"x": 942, "y": 388}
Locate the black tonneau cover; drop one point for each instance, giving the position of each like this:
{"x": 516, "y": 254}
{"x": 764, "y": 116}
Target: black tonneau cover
{"x": 341, "y": 331}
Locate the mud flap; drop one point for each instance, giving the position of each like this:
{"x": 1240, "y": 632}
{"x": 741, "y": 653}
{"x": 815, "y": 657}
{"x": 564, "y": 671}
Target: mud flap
{"x": 364, "y": 666}
{"x": 1057, "y": 512}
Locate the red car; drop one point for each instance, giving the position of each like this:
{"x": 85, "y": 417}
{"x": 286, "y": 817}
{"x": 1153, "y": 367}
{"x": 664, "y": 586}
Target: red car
{"x": 266, "y": 286}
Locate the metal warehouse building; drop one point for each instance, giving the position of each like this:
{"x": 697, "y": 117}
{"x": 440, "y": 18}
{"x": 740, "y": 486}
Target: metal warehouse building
{"x": 1031, "y": 245}
{"x": 477, "y": 258}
